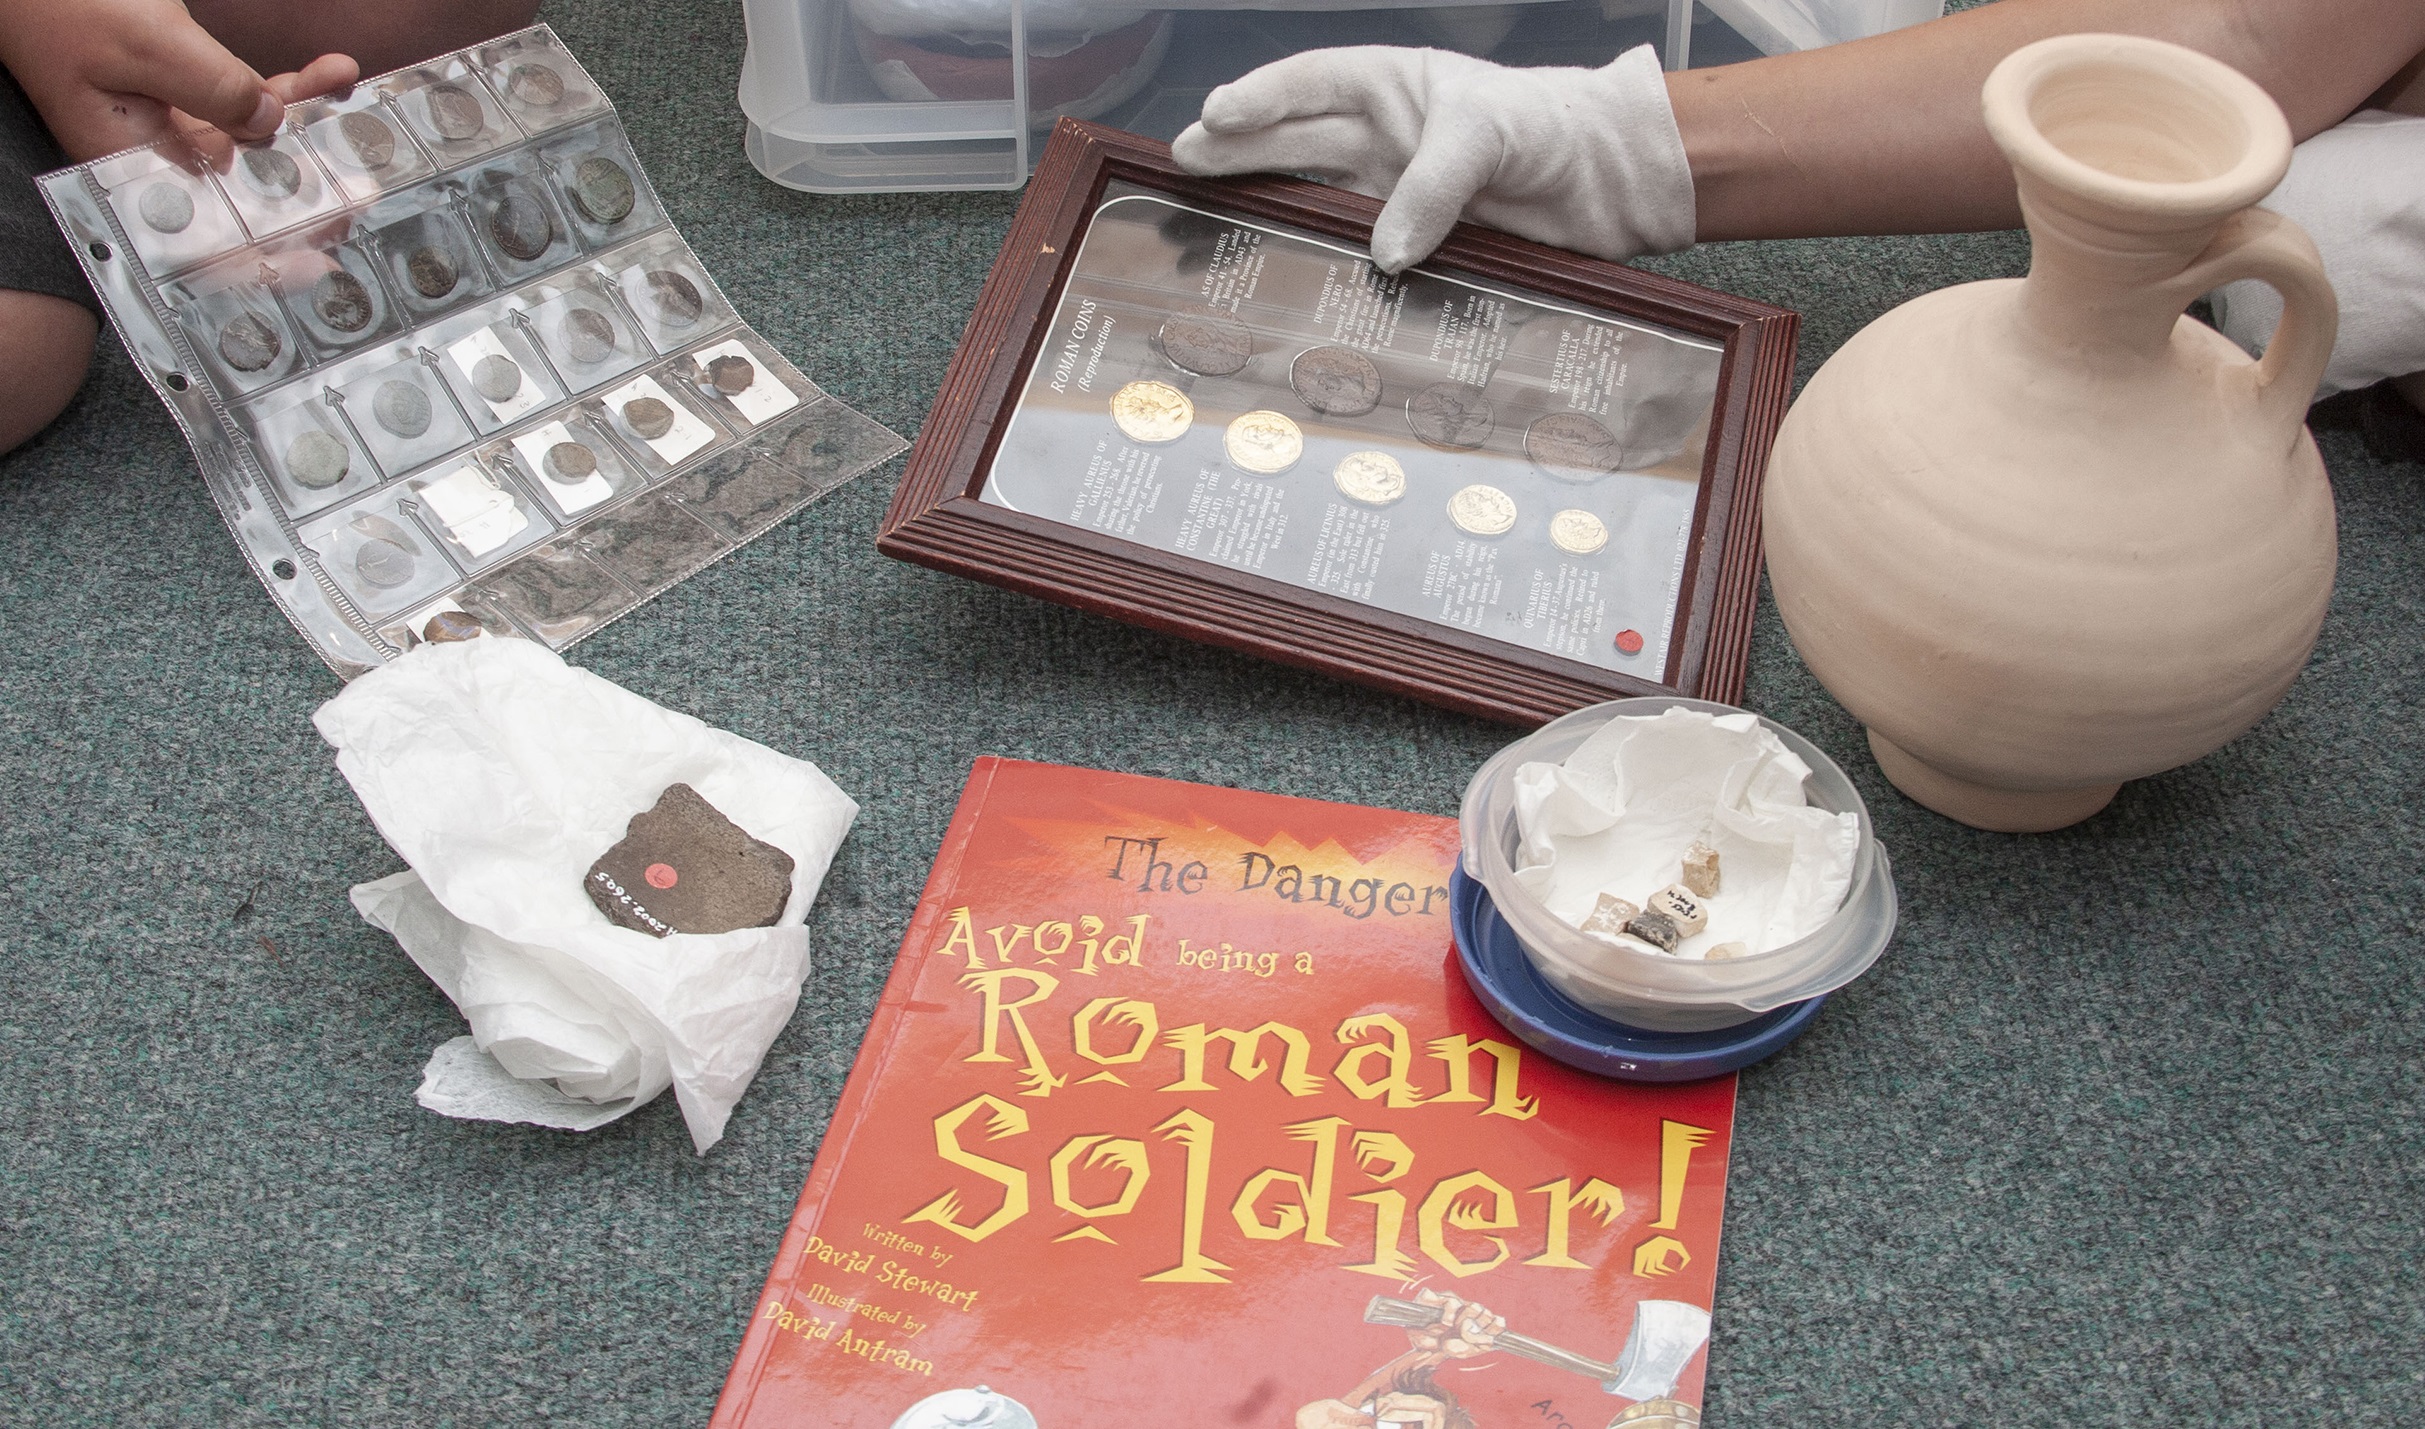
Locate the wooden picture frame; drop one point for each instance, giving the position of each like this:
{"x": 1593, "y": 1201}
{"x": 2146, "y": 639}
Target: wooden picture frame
{"x": 940, "y": 516}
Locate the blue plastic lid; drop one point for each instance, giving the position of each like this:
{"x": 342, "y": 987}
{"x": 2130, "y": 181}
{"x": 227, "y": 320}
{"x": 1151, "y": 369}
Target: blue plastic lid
{"x": 1546, "y": 1019}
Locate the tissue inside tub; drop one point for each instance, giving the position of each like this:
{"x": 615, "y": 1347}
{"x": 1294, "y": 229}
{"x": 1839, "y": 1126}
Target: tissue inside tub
{"x": 1618, "y": 815}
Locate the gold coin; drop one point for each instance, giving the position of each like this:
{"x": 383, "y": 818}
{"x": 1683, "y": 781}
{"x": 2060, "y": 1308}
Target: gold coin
{"x": 1577, "y": 533}
{"x": 1482, "y": 511}
{"x": 1374, "y": 478}
{"x": 1152, "y": 412}
{"x": 1265, "y": 443}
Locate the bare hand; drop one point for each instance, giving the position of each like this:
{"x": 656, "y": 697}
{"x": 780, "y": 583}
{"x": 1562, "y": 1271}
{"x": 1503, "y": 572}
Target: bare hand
{"x": 1462, "y": 1331}
{"x": 114, "y": 74}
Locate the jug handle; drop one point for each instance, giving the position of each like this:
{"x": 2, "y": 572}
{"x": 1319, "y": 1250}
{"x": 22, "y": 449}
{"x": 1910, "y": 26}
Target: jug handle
{"x": 2261, "y": 244}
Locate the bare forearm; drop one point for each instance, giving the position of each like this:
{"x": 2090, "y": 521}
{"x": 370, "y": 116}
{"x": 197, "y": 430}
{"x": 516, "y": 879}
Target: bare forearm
{"x": 1884, "y": 135}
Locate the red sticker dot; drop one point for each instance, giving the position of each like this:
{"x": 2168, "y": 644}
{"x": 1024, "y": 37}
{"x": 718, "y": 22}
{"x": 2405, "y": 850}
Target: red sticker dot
{"x": 1629, "y": 642}
{"x": 661, "y": 875}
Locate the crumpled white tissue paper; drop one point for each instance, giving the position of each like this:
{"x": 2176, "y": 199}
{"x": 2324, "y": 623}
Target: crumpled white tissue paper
{"x": 1617, "y": 816}
{"x": 500, "y": 773}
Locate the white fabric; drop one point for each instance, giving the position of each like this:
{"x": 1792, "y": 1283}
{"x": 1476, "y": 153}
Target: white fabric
{"x": 500, "y": 773}
{"x": 1586, "y": 159}
{"x": 2359, "y": 191}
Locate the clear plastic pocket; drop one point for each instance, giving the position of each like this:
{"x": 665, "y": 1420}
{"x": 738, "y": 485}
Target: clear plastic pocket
{"x": 492, "y": 359}
{"x": 587, "y": 335}
{"x": 448, "y": 107}
{"x": 743, "y": 382}
{"x": 364, "y": 143}
{"x": 574, "y": 465}
{"x": 402, "y": 407}
{"x": 169, "y": 211}
{"x": 277, "y": 184}
{"x": 516, "y": 219}
{"x": 605, "y": 195}
{"x": 313, "y": 456}
{"x": 232, "y": 317}
{"x": 667, "y": 291}
{"x": 428, "y": 257}
{"x": 542, "y": 85}
{"x": 379, "y": 556}
{"x": 462, "y": 616}
{"x": 557, "y": 593}
{"x": 334, "y": 294}
{"x": 481, "y": 518}
{"x": 663, "y": 426}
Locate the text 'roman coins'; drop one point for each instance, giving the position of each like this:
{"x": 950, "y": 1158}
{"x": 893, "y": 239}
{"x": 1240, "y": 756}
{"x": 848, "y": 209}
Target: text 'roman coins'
{"x": 1212, "y": 344}
{"x": 1336, "y": 381}
{"x": 1372, "y": 478}
{"x": 1152, "y": 412}
{"x": 1577, "y": 533}
{"x": 496, "y": 378}
{"x": 1482, "y": 510}
{"x": 1450, "y": 414}
{"x": 1265, "y": 443}
{"x": 343, "y": 301}
{"x": 401, "y": 407}
{"x": 317, "y": 460}
{"x": 1572, "y": 446}
{"x": 648, "y": 417}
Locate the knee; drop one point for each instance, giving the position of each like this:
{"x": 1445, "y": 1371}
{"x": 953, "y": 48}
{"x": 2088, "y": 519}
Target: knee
{"x": 46, "y": 344}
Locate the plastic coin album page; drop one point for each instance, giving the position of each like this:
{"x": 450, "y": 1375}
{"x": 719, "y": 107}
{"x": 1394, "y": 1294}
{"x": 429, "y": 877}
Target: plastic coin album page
{"x": 1434, "y": 446}
{"x": 443, "y": 360}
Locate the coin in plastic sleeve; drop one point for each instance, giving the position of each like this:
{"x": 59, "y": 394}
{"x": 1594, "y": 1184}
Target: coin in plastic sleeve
{"x": 518, "y": 221}
{"x": 373, "y": 143}
{"x": 449, "y": 626}
{"x": 1577, "y": 533}
{"x": 249, "y": 343}
{"x": 677, "y": 297}
{"x": 535, "y": 85}
{"x": 1482, "y": 510}
{"x": 496, "y": 377}
{"x": 165, "y": 207}
{"x": 342, "y": 301}
{"x": 1265, "y": 443}
{"x": 1369, "y": 478}
{"x": 589, "y": 335}
{"x": 1209, "y": 343}
{"x": 1572, "y": 446}
{"x": 1152, "y": 412}
{"x": 1450, "y": 414}
{"x": 602, "y": 190}
{"x": 433, "y": 271}
{"x": 731, "y": 375}
{"x": 317, "y": 461}
{"x": 455, "y": 112}
{"x": 401, "y": 407}
{"x": 273, "y": 172}
{"x": 382, "y": 564}
{"x": 648, "y": 417}
{"x": 1336, "y": 381}
{"x": 569, "y": 462}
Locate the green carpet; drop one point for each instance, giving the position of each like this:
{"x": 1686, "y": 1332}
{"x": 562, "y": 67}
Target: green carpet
{"x": 2124, "y": 1128}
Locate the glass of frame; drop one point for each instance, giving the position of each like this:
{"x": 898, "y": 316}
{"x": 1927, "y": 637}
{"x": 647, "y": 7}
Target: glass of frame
{"x": 1511, "y": 480}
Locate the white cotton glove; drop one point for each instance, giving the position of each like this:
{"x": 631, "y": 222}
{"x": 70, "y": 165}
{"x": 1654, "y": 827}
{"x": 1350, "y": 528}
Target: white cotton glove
{"x": 1587, "y": 159}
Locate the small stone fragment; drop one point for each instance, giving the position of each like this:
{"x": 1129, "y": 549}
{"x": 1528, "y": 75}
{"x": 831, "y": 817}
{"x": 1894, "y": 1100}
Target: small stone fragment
{"x": 682, "y": 867}
{"x": 1723, "y": 951}
{"x": 1679, "y": 906}
{"x": 1656, "y": 929}
{"x": 1608, "y": 916}
{"x": 1701, "y": 869}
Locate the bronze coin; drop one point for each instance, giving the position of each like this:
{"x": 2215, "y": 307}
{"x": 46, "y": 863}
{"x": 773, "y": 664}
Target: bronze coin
{"x": 731, "y": 375}
{"x": 518, "y": 221}
{"x": 448, "y": 626}
{"x": 432, "y": 270}
{"x": 588, "y": 335}
{"x": 536, "y": 85}
{"x": 648, "y": 417}
{"x": 570, "y": 462}
{"x": 383, "y": 565}
{"x": 166, "y": 207}
{"x": 496, "y": 377}
{"x": 1209, "y": 343}
{"x": 342, "y": 301}
{"x": 273, "y": 172}
{"x": 373, "y": 143}
{"x": 1336, "y": 381}
{"x": 678, "y": 301}
{"x": 249, "y": 343}
{"x": 317, "y": 461}
{"x": 455, "y": 112}
{"x": 1572, "y": 446}
{"x": 401, "y": 407}
{"x": 1450, "y": 414}
{"x": 601, "y": 190}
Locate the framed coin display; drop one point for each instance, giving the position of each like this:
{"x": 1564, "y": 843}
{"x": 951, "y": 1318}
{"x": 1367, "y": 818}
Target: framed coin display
{"x": 1511, "y": 480}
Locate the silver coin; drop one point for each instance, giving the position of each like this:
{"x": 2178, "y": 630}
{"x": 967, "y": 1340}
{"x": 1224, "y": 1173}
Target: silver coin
{"x": 166, "y": 207}
{"x": 601, "y": 190}
{"x": 248, "y": 343}
{"x": 343, "y": 301}
{"x": 383, "y": 565}
{"x": 496, "y": 377}
{"x": 273, "y": 172}
{"x": 648, "y": 417}
{"x": 588, "y": 335}
{"x": 455, "y": 112}
{"x": 570, "y": 462}
{"x": 401, "y": 407}
{"x": 433, "y": 271}
{"x": 1577, "y": 533}
{"x": 1369, "y": 478}
{"x": 730, "y": 375}
{"x": 1210, "y": 343}
{"x": 1571, "y": 446}
{"x": 1482, "y": 510}
{"x": 518, "y": 221}
{"x": 678, "y": 301}
{"x": 1450, "y": 414}
{"x": 317, "y": 461}
{"x": 373, "y": 143}
{"x": 1336, "y": 381}
{"x": 536, "y": 85}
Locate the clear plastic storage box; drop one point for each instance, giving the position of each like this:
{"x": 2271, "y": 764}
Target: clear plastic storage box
{"x": 851, "y": 95}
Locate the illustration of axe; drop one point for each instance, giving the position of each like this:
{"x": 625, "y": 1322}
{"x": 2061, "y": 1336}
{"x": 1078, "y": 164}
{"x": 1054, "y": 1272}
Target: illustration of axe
{"x": 1666, "y": 1334}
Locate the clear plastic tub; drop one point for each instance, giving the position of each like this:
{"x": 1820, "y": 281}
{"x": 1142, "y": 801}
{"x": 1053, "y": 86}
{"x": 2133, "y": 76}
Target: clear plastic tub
{"x": 1647, "y": 990}
{"x": 845, "y": 96}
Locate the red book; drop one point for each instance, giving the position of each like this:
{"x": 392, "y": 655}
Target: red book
{"x": 1176, "y": 1110}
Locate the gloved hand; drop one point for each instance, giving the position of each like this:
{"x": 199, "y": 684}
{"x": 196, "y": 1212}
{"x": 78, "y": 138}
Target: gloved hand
{"x": 1587, "y": 159}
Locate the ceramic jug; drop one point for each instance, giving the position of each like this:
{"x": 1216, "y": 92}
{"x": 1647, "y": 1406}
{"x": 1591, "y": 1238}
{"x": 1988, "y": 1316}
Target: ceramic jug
{"x": 2047, "y": 534}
